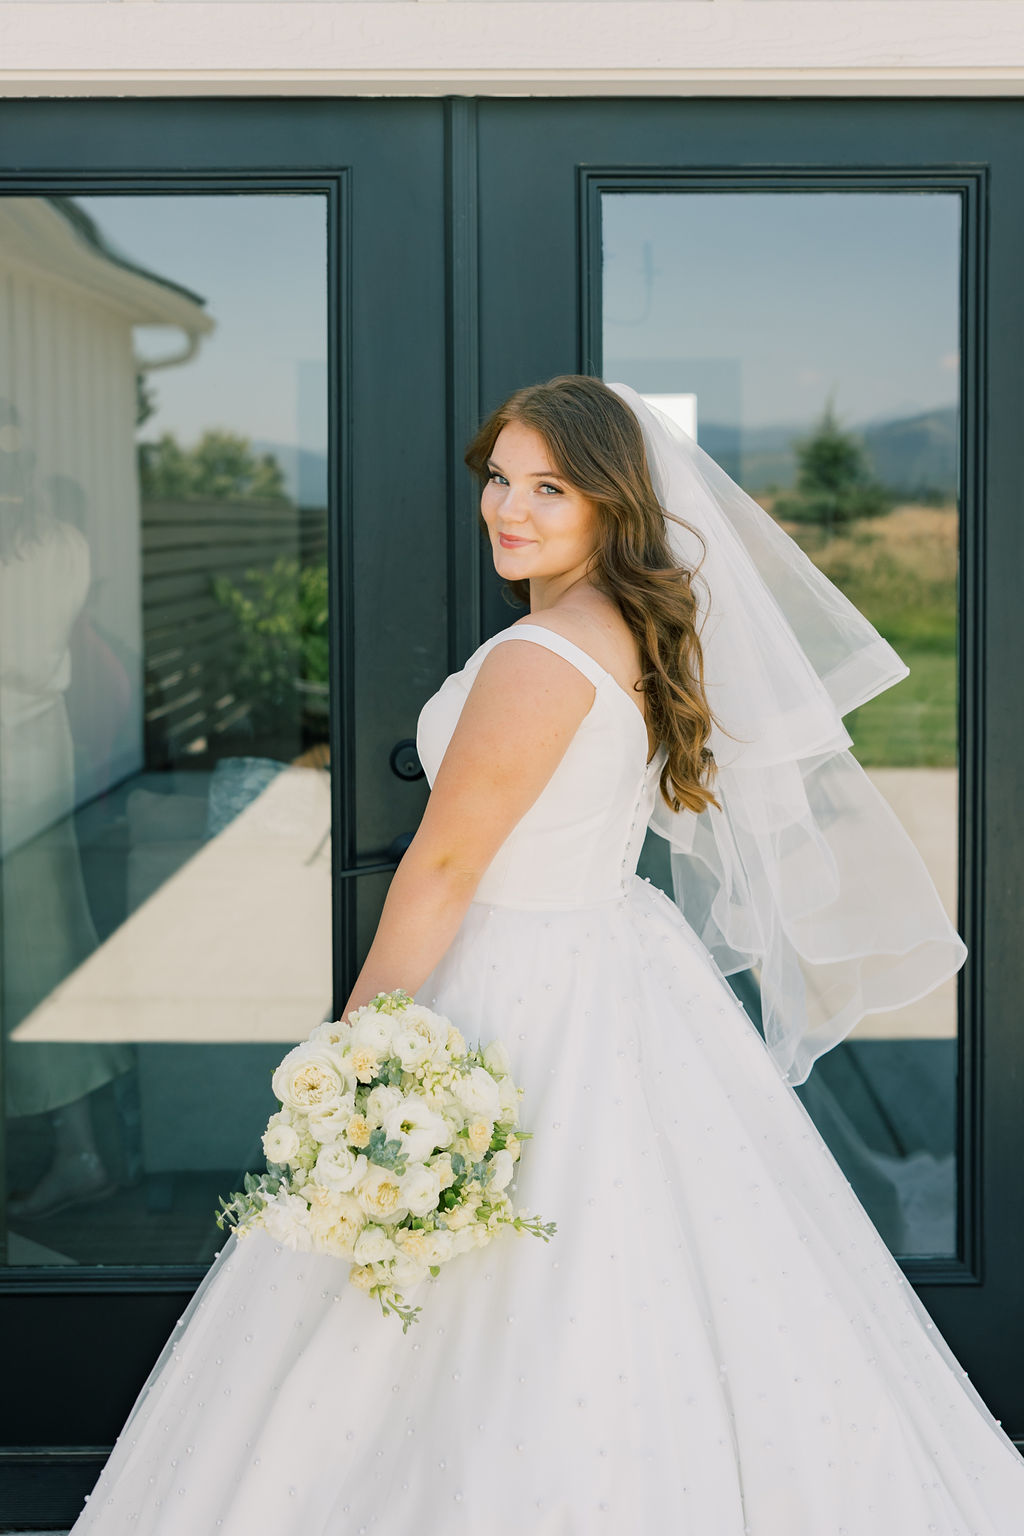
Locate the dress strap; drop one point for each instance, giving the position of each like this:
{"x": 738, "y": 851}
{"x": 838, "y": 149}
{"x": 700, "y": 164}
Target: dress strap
{"x": 580, "y": 659}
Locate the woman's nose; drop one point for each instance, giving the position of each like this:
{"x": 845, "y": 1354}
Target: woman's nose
{"x": 515, "y": 506}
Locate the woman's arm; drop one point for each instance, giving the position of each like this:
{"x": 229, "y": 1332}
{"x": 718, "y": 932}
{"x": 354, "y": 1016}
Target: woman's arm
{"x": 522, "y": 711}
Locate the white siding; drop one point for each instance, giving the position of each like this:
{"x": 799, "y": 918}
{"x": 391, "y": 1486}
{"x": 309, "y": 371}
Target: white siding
{"x": 512, "y": 47}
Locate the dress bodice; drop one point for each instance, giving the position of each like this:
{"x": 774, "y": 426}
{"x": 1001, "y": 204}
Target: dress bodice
{"x": 581, "y": 839}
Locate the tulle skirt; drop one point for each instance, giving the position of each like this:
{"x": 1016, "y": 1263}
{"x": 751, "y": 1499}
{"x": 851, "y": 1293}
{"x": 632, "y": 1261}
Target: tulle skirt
{"x": 715, "y": 1342}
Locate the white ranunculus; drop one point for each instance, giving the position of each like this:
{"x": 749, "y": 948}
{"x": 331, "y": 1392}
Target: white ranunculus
{"x": 338, "y": 1167}
{"x": 433, "y": 1026}
{"x": 331, "y": 1032}
{"x": 477, "y": 1092}
{"x": 421, "y": 1189}
{"x": 379, "y": 1100}
{"x": 497, "y": 1059}
{"x": 286, "y": 1219}
{"x": 375, "y": 1030}
{"x": 418, "y": 1127}
{"x": 372, "y": 1245}
{"x": 280, "y": 1142}
{"x": 380, "y": 1195}
{"x": 502, "y": 1168}
{"x": 310, "y": 1078}
{"x": 412, "y": 1049}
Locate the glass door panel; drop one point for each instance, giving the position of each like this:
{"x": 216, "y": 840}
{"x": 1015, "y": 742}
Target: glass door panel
{"x": 810, "y": 341}
{"x": 165, "y": 800}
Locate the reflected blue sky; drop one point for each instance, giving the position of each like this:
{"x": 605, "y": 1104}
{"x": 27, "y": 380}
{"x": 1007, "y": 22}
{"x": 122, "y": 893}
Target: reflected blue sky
{"x": 259, "y": 261}
{"x": 764, "y": 303}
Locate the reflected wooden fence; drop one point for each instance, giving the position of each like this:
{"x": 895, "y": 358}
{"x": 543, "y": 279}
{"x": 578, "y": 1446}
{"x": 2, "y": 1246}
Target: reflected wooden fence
{"x": 185, "y": 546}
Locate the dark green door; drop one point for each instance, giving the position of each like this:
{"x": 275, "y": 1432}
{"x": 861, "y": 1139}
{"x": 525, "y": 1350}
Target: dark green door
{"x": 242, "y": 343}
{"x": 809, "y": 285}
{"x": 227, "y": 586}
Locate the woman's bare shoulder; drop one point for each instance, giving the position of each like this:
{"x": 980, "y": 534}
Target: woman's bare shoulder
{"x": 601, "y": 631}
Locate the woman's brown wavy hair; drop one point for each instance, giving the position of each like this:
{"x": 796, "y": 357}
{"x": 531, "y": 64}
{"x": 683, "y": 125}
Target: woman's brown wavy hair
{"x": 597, "y": 445}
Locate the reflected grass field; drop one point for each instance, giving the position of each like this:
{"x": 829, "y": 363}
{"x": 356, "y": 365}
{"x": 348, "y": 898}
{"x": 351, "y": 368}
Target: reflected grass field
{"x": 912, "y": 725}
{"x": 900, "y": 570}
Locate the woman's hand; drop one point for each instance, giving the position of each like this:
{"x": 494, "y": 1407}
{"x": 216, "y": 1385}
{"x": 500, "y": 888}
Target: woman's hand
{"x": 521, "y": 713}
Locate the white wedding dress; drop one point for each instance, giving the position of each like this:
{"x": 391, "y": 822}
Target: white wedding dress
{"x": 716, "y": 1341}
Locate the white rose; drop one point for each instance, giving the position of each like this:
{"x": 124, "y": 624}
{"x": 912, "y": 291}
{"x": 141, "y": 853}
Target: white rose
{"x": 477, "y": 1092}
{"x": 310, "y": 1078}
{"x": 421, "y": 1189}
{"x": 442, "y": 1166}
{"x": 338, "y": 1167}
{"x": 502, "y": 1167}
{"x": 335, "y": 1220}
{"x": 497, "y": 1059}
{"x": 441, "y": 1246}
{"x": 333, "y": 1122}
{"x": 379, "y": 1194}
{"x": 460, "y": 1216}
{"x": 508, "y": 1099}
{"x": 286, "y": 1219}
{"x": 418, "y": 1127}
{"x": 406, "y": 1272}
{"x": 280, "y": 1142}
{"x": 372, "y": 1245}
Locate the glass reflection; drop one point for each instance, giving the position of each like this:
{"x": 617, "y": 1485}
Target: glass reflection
{"x": 810, "y": 342}
{"x": 164, "y": 770}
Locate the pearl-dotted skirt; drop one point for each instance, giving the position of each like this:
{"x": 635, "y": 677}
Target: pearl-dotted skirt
{"x": 716, "y": 1342}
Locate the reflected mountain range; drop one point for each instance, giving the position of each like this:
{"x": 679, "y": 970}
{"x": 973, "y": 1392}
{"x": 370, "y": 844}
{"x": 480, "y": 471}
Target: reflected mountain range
{"x": 912, "y": 455}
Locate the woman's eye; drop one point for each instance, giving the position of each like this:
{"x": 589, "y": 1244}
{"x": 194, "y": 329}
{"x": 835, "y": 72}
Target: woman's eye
{"x": 494, "y": 475}
{"x": 556, "y": 488}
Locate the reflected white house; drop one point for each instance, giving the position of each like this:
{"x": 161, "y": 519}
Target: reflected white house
{"x": 69, "y": 309}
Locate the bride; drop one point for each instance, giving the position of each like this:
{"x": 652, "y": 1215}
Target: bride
{"x": 716, "y": 1342}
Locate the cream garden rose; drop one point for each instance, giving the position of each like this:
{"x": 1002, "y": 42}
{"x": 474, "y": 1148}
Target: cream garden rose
{"x": 310, "y": 1078}
{"x": 380, "y": 1194}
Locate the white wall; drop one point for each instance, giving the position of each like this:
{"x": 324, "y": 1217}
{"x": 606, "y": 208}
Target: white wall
{"x": 512, "y": 47}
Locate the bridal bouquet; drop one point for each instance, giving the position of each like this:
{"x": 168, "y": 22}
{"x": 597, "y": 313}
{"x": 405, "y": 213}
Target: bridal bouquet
{"x": 393, "y": 1148}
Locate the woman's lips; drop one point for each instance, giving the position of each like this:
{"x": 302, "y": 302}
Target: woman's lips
{"x": 508, "y": 541}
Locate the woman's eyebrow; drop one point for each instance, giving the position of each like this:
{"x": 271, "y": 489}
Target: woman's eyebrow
{"x": 538, "y": 474}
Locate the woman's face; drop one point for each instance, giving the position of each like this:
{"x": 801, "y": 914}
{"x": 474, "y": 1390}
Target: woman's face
{"x": 541, "y": 528}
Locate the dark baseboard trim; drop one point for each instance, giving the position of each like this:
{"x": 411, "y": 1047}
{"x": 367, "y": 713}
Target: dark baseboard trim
{"x": 43, "y": 1488}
